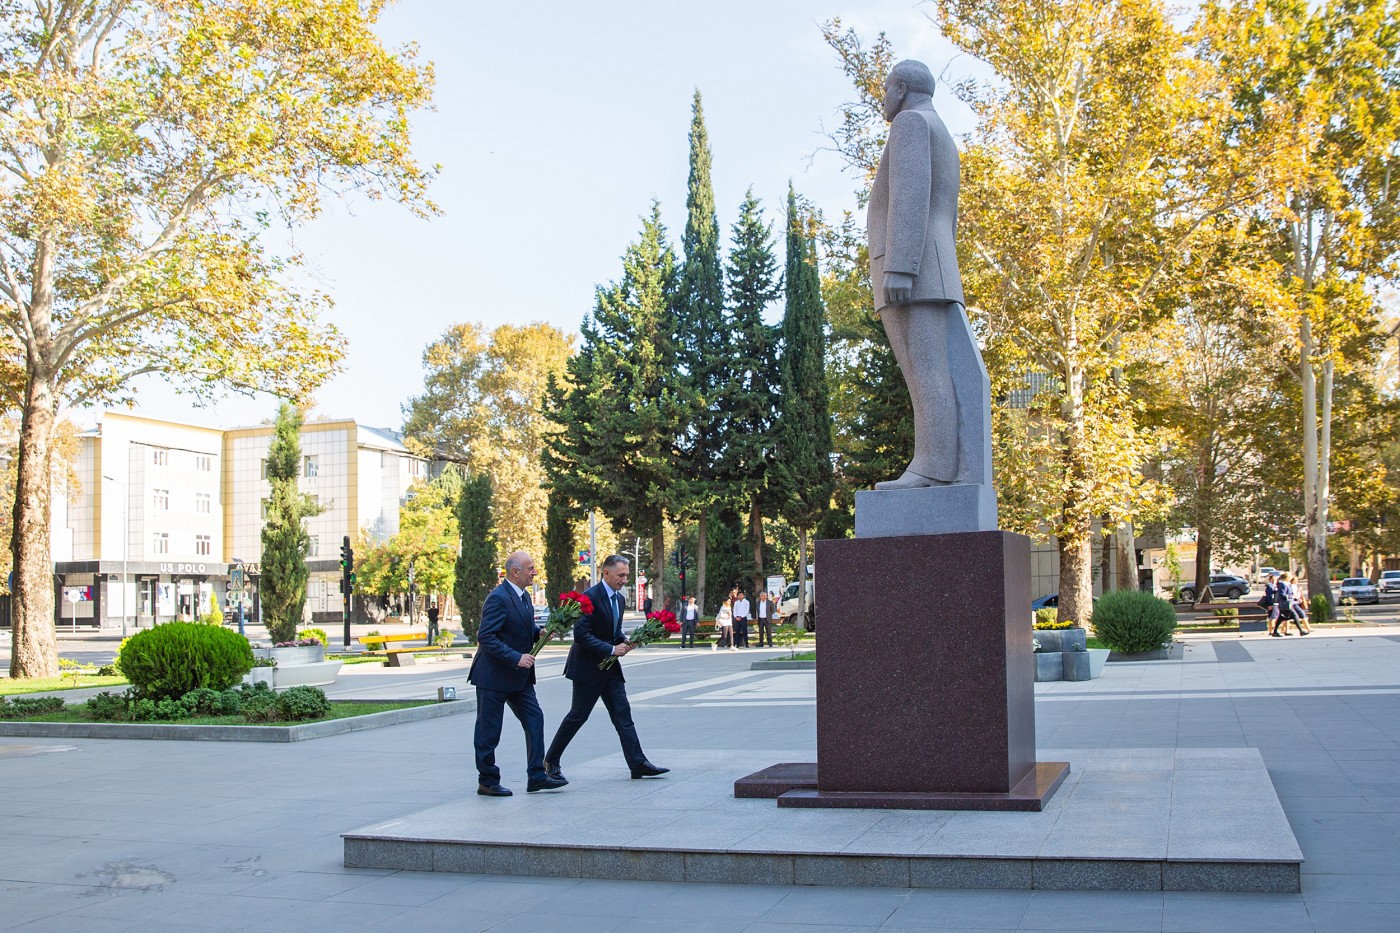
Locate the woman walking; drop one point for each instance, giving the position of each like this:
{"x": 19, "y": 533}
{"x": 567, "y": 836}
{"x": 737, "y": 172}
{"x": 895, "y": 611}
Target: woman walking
{"x": 1300, "y": 612}
{"x": 1269, "y": 602}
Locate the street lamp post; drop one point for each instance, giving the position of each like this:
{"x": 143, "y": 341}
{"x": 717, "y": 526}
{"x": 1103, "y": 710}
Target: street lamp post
{"x": 126, "y": 544}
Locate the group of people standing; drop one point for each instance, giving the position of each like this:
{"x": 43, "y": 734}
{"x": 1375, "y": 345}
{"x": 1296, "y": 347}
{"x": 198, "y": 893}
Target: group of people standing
{"x": 1284, "y": 605}
{"x": 733, "y": 617}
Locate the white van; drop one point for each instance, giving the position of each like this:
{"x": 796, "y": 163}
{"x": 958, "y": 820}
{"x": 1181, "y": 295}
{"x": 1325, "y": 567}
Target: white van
{"x": 787, "y": 606}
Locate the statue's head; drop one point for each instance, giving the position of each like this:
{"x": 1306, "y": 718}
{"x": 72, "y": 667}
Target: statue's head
{"x": 909, "y": 83}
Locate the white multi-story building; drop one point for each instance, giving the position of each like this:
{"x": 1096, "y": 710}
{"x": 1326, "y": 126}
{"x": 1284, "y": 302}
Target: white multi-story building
{"x": 358, "y": 475}
{"x": 161, "y": 511}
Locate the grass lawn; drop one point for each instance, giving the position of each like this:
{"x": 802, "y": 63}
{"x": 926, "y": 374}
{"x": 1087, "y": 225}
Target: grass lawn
{"x": 1092, "y": 642}
{"x": 12, "y": 687}
{"x": 78, "y": 713}
{"x": 800, "y": 656}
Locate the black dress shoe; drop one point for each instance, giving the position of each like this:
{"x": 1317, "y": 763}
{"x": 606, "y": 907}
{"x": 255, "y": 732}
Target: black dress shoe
{"x": 647, "y": 769}
{"x": 493, "y": 790}
{"x": 548, "y": 782}
{"x": 553, "y": 771}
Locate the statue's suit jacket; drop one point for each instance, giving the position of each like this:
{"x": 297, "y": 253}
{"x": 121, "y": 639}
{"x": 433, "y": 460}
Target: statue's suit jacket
{"x": 914, "y": 209}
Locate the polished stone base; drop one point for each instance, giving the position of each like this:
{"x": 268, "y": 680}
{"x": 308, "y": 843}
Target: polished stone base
{"x": 795, "y": 785}
{"x": 1138, "y": 819}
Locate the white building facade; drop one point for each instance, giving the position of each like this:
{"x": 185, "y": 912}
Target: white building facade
{"x": 162, "y": 510}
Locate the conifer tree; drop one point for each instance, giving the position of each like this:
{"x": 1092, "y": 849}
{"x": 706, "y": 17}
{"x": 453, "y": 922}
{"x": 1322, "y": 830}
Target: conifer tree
{"x": 703, "y": 350}
{"x": 285, "y": 541}
{"x": 560, "y": 558}
{"x": 475, "y": 571}
{"x": 755, "y": 390}
{"x": 617, "y": 409}
{"x": 802, "y": 471}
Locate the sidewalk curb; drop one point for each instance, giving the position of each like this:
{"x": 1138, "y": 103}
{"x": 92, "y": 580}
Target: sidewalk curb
{"x": 311, "y": 730}
{"x": 783, "y": 666}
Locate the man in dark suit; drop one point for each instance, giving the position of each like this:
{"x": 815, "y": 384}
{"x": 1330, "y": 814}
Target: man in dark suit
{"x": 504, "y": 674}
{"x": 598, "y": 636}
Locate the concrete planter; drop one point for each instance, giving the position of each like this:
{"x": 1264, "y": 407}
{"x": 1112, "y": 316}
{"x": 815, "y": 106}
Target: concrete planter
{"x": 1076, "y": 665}
{"x": 1161, "y": 654}
{"x": 296, "y": 667}
{"x": 1097, "y": 658}
{"x": 288, "y": 657}
{"x": 1064, "y": 639}
{"x": 1049, "y": 665}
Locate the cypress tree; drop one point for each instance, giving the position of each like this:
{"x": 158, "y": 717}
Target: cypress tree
{"x": 703, "y": 345}
{"x": 618, "y": 409}
{"x": 560, "y": 558}
{"x": 755, "y": 393}
{"x": 475, "y": 570}
{"x": 802, "y": 470}
{"x": 285, "y": 541}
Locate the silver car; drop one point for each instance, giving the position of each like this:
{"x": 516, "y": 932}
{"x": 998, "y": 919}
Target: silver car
{"x": 1360, "y": 589}
{"x": 1390, "y": 581}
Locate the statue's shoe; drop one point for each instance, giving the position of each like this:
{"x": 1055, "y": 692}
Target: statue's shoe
{"x": 911, "y": 480}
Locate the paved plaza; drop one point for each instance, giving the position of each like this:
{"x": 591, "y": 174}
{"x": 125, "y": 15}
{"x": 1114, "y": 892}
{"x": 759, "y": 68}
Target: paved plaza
{"x": 110, "y": 835}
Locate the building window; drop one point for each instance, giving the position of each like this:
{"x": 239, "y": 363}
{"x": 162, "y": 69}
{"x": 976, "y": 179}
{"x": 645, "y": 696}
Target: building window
{"x": 266, "y": 504}
{"x": 314, "y": 550}
{"x": 203, "y": 462}
{"x": 159, "y": 456}
{"x": 201, "y": 545}
{"x": 160, "y": 500}
{"x": 160, "y": 542}
{"x": 262, "y": 468}
{"x": 203, "y": 503}
{"x": 308, "y": 466}
{"x": 415, "y": 468}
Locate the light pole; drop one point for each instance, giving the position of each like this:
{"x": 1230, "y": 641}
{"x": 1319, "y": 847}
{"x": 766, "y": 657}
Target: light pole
{"x": 126, "y": 544}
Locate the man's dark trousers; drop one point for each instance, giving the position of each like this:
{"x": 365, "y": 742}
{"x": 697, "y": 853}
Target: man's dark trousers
{"x": 765, "y": 628}
{"x": 613, "y": 692}
{"x": 741, "y": 631}
{"x": 490, "y": 712}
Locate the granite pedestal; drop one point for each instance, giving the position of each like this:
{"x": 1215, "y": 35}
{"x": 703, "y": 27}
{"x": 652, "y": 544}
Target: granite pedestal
{"x": 925, "y": 680}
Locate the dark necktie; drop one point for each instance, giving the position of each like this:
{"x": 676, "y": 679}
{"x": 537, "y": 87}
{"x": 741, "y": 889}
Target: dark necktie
{"x": 617, "y": 615}
{"x": 529, "y": 606}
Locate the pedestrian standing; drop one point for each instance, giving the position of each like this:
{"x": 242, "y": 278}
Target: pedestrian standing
{"x": 764, "y": 616}
{"x": 690, "y": 616}
{"x": 433, "y": 613}
{"x": 724, "y": 627}
{"x": 741, "y": 618}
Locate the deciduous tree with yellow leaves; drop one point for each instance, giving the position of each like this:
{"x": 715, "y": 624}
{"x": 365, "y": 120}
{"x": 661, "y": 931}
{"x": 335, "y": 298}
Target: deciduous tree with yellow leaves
{"x": 146, "y": 149}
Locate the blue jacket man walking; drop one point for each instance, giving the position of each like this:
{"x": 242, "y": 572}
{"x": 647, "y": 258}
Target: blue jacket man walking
{"x": 503, "y": 671}
{"x": 596, "y": 637}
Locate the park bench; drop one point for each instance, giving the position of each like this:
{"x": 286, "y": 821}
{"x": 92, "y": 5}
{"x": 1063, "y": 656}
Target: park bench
{"x": 397, "y": 657}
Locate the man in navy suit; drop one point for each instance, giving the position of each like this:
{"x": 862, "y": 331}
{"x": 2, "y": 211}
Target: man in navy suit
{"x": 596, "y": 637}
{"x": 504, "y": 674}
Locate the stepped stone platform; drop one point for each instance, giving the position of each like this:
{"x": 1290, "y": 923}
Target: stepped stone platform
{"x": 1149, "y": 819}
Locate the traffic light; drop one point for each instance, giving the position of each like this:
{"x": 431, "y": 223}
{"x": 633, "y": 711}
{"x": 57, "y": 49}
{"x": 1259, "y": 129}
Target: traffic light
{"x": 347, "y": 555}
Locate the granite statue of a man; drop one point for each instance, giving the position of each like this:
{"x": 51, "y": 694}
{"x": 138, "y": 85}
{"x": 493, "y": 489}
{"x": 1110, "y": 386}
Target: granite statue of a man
{"x": 918, "y": 291}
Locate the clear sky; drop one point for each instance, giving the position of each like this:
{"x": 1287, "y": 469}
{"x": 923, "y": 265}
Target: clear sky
{"x": 556, "y": 123}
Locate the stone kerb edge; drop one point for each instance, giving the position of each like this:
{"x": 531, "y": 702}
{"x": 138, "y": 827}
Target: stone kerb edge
{"x": 818, "y": 868}
{"x": 175, "y": 731}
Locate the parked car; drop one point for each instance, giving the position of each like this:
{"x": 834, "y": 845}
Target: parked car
{"x": 1263, "y": 575}
{"x": 1360, "y": 589}
{"x": 1051, "y": 601}
{"x": 1221, "y": 584}
{"x": 1390, "y": 581}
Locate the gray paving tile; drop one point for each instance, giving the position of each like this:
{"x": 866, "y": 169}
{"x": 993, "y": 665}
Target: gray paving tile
{"x": 1080, "y": 910}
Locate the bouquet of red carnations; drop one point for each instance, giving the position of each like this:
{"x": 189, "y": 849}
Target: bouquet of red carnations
{"x": 562, "y": 618}
{"x": 659, "y": 626}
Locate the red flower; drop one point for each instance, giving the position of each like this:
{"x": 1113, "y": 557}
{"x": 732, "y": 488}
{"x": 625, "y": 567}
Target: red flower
{"x": 585, "y": 605}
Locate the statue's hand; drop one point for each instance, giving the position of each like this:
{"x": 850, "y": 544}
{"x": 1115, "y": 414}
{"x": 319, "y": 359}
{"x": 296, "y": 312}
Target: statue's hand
{"x": 899, "y": 286}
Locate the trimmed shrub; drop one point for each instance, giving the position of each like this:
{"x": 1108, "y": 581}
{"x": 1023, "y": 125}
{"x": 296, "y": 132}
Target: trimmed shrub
{"x": 1129, "y": 621}
{"x": 258, "y": 702}
{"x": 1320, "y": 608}
{"x": 110, "y": 707}
{"x": 24, "y": 707}
{"x": 303, "y": 703}
{"x": 170, "y": 660}
{"x": 1044, "y": 618}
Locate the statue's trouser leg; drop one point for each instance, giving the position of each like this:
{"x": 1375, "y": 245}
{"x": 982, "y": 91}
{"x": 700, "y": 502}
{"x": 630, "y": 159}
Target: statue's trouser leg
{"x": 918, "y": 334}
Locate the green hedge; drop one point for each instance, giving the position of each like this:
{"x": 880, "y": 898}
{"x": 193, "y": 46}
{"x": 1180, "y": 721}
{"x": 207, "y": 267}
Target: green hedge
{"x": 1129, "y": 621}
{"x": 170, "y": 660}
